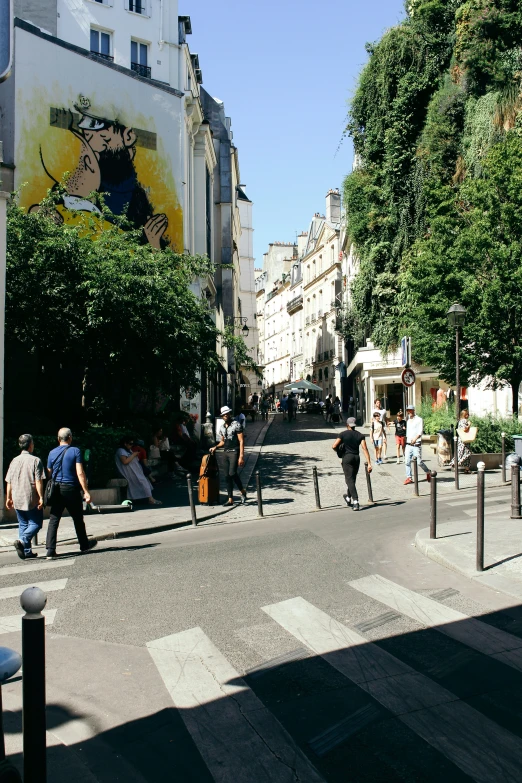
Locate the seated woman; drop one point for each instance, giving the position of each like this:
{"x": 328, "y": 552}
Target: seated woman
{"x": 128, "y": 465}
{"x": 184, "y": 448}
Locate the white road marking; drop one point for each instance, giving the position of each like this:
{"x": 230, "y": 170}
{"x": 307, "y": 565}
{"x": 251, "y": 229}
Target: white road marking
{"x": 32, "y": 566}
{"x": 497, "y": 510}
{"x": 480, "y": 636}
{"x": 48, "y": 587}
{"x": 490, "y": 498}
{"x": 238, "y": 738}
{"x": 14, "y": 622}
{"x": 475, "y": 744}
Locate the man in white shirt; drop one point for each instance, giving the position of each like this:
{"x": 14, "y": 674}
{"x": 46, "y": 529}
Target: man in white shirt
{"x": 414, "y": 429}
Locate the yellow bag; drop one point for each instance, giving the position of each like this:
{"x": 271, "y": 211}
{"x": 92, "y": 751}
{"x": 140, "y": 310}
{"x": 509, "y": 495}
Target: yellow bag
{"x": 469, "y": 436}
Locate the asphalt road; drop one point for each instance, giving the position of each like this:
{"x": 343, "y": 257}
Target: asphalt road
{"x": 312, "y": 647}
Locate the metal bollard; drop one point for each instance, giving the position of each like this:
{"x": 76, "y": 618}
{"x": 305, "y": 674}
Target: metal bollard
{"x": 316, "y": 488}
{"x": 259, "y": 496}
{"x": 515, "y": 488}
{"x": 33, "y": 601}
{"x": 503, "y": 466}
{"x": 456, "y": 459}
{"x": 369, "y": 484}
{"x": 480, "y": 515}
{"x": 433, "y": 504}
{"x": 191, "y": 500}
{"x": 10, "y": 662}
{"x": 415, "y": 470}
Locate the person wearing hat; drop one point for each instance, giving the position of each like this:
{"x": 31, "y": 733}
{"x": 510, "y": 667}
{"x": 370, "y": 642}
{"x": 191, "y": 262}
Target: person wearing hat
{"x": 232, "y": 442}
{"x": 414, "y": 430}
{"x": 351, "y": 441}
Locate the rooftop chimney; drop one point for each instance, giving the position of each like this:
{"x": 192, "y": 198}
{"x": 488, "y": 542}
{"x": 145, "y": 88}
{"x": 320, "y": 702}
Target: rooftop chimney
{"x": 333, "y": 206}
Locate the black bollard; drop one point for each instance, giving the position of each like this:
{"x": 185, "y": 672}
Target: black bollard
{"x": 191, "y": 500}
{"x": 433, "y": 504}
{"x": 33, "y": 601}
{"x": 259, "y": 496}
{"x": 316, "y": 488}
{"x": 503, "y": 465}
{"x": 480, "y": 515}
{"x": 10, "y": 662}
{"x": 415, "y": 470}
{"x": 515, "y": 488}
{"x": 369, "y": 483}
{"x": 456, "y": 458}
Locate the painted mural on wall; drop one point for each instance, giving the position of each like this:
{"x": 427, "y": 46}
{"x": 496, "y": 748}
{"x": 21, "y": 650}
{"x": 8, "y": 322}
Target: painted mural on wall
{"x": 119, "y": 139}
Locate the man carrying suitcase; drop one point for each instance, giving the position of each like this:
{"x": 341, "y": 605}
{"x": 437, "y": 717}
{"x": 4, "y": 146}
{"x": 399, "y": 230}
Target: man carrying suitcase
{"x": 231, "y": 440}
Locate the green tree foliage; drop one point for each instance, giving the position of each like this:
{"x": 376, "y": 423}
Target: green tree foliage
{"x": 105, "y": 302}
{"x": 436, "y": 112}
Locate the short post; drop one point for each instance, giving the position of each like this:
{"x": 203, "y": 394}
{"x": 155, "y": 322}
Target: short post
{"x": 191, "y": 500}
{"x": 456, "y": 459}
{"x": 433, "y": 504}
{"x": 33, "y": 601}
{"x": 503, "y": 466}
{"x": 415, "y": 467}
{"x": 259, "y": 496}
{"x": 480, "y": 515}
{"x": 369, "y": 483}
{"x": 515, "y": 488}
{"x": 10, "y": 662}
{"x": 316, "y": 488}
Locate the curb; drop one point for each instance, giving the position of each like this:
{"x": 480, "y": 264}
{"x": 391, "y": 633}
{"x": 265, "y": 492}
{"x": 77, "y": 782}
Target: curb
{"x": 246, "y": 473}
{"x": 445, "y": 554}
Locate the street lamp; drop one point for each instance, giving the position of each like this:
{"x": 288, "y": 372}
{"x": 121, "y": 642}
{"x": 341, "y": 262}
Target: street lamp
{"x": 456, "y": 318}
{"x": 238, "y": 321}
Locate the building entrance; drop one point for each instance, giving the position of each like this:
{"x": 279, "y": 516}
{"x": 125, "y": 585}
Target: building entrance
{"x": 391, "y": 396}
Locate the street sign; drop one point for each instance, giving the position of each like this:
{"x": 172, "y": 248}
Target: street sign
{"x": 406, "y": 351}
{"x": 408, "y": 377}
{"x": 6, "y": 38}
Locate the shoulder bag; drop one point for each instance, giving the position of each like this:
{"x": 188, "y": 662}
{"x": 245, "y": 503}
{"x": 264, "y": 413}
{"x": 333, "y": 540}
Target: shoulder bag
{"x": 469, "y": 436}
{"x": 50, "y": 488}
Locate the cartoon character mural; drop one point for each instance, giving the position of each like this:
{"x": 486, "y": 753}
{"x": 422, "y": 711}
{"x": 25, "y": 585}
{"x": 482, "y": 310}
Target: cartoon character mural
{"x": 106, "y": 165}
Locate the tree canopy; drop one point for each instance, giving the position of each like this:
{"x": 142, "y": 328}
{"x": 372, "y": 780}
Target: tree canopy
{"x": 433, "y": 201}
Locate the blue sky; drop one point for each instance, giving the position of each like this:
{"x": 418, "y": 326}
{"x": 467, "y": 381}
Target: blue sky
{"x": 285, "y": 70}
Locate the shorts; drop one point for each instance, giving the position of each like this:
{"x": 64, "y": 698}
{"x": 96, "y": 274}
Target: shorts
{"x": 377, "y": 443}
{"x": 400, "y": 440}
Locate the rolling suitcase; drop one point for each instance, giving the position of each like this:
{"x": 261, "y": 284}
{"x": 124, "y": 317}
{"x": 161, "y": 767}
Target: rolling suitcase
{"x": 208, "y": 483}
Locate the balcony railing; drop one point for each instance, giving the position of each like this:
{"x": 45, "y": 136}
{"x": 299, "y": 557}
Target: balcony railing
{"x": 271, "y": 294}
{"x": 294, "y": 304}
{"x": 108, "y": 57}
{"x": 142, "y": 70}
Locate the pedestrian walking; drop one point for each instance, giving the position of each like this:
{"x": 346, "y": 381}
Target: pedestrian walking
{"x": 65, "y": 467}
{"x": 292, "y": 406}
{"x": 378, "y": 434}
{"x": 347, "y": 446}
{"x": 264, "y": 407}
{"x": 25, "y": 495}
{"x": 231, "y": 440}
{"x": 414, "y": 430}
{"x": 466, "y": 435}
{"x": 400, "y": 435}
{"x": 284, "y": 406}
{"x": 336, "y": 410}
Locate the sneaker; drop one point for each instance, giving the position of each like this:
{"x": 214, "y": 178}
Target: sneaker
{"x": 20, "y": 551}
{"x": 229, "y": 504}
{"x": 398, "y": 461}
{"x": 428, "y": 477}
{"x": 355, "y": 505}
{"x": 243, "y": 499}
{"x": 31, "y": 555}
{"x": 347, "y": 499}
{"x": 51, "y": 555}
{"x": 409, "y": 481}
{"x": 90, "y": 545}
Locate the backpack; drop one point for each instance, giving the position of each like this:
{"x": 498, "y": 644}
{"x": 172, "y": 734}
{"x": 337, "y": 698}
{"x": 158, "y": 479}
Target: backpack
{"x": 341, "y": 450}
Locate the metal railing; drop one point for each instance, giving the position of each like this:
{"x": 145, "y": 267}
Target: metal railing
{"x": 142, "y": 70}
{"x": 108, "y": 57}
{"x": 294, "y": 303}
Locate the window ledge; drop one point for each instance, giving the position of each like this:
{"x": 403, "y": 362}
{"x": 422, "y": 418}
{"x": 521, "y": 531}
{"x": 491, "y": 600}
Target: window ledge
{"x": 102, "y": 5}
{"x": 135, "y": 13}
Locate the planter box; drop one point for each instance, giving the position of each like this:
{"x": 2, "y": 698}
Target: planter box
{"x": 492, "y": 460}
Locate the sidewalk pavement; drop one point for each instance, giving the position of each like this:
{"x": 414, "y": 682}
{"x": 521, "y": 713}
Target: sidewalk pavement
{"x": 455, "y": 545}
{"x": 144, "y": 519}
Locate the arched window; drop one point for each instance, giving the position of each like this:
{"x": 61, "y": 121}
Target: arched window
{"x": 321, "y": 374}
{"x": 326, "y": 373}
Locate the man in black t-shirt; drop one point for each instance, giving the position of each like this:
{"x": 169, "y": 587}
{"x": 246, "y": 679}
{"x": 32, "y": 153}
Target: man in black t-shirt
{"x": 352, "y": 440}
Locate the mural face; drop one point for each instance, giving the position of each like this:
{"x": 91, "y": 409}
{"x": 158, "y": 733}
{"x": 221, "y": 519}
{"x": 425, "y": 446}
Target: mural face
{"x": 128, "y": 154}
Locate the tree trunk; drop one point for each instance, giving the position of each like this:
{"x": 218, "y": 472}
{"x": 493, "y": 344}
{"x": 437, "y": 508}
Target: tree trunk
{"x": 515, "y": 385}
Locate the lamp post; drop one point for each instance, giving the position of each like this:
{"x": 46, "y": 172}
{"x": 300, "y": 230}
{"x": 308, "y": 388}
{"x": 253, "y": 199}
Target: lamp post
{"x": 456, "y": 318}
{"x": 238, "y": 321}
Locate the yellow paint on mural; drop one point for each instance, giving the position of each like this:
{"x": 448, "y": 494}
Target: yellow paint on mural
{"x": 101, "y": 150}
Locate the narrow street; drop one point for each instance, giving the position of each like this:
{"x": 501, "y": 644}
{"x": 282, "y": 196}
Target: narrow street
{"x": 315, "y": 646}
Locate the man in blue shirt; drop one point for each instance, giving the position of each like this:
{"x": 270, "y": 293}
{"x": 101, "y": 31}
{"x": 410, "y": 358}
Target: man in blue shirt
{"x": 64, "y": 464}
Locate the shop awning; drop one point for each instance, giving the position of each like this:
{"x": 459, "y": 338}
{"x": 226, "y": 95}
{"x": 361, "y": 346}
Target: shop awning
{"x": 308, "y": 385}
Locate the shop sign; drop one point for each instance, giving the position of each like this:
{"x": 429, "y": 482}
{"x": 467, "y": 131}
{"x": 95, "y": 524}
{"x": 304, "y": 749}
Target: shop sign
{"x": 408, "y": 377}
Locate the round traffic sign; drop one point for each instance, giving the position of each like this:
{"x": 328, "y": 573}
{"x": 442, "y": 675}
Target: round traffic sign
{"x": 408, "y": 377}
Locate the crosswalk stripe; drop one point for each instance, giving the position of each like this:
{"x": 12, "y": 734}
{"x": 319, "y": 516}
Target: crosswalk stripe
{"x": 497, "y": 510}
{"x": 22, "y": 569}
{"x": 14, "y": 622}
{"x": 471, "y": 741}
{"x": 238, "y": 738}
{"x": 480, "y": 636}
{"x": 473, "y": 500}
{"x": 48, "y": 587}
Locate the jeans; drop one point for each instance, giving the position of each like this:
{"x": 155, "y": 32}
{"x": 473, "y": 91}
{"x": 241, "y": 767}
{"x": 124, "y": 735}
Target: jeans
{"x": 351, "y": 464}
{"x": 29, "y": 523}
{"x": 410, "y": 453}
{"x": 68, "y": 496}
{"x": 231, "y": 460}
